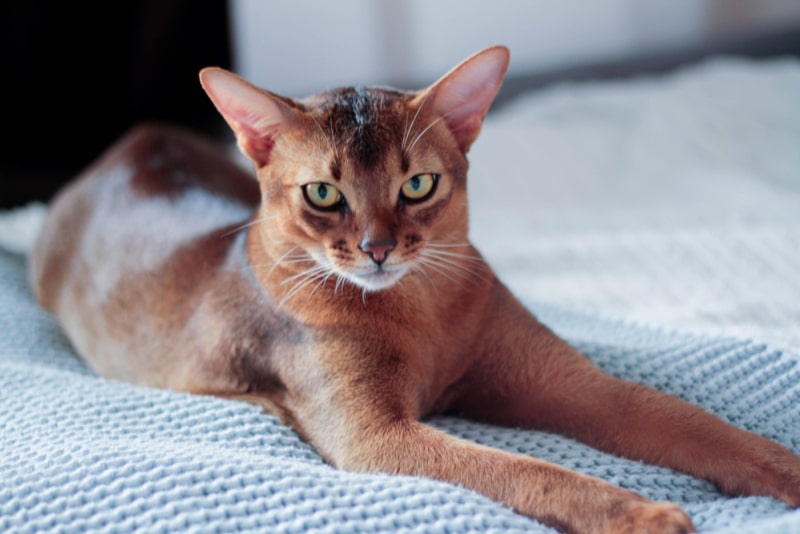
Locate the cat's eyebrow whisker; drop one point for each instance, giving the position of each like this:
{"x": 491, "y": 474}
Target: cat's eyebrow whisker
{"x": 328, "y": 138}
{"x": 333, "y": 134}
{"x": 424, "y": 131}
{"x": 407, "y": 133}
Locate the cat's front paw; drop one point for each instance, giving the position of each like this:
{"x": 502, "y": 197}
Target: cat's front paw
{"x": 768, "y": 469}
{"x": 648, "y": 517}
{"x": 779, "y": 475}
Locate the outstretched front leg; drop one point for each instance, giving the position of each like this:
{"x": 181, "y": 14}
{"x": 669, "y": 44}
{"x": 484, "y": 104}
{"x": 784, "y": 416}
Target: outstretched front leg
{"x": 529, "y": 377}
{"x": 563, "y": 499}
{"x": 361, "y": 418}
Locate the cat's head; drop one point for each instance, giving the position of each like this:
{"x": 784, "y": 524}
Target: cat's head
{"x": 363, "y": 184}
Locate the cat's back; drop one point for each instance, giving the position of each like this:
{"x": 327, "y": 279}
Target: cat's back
{"x": 159, "y": 197}
{"x": 157, "y": 187}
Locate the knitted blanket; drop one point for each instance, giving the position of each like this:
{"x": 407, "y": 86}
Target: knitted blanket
{"x": 661, "y": 238}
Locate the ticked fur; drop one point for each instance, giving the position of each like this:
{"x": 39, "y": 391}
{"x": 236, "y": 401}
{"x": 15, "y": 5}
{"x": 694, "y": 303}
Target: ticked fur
{"x": 340, "y": 292}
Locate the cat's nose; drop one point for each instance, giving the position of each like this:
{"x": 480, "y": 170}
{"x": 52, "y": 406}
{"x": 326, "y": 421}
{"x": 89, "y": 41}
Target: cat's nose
{"x": 378, "y": 250}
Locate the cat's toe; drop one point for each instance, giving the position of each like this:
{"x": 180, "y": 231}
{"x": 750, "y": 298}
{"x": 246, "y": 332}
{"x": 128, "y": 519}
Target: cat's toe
{"x": 652, "y": 518}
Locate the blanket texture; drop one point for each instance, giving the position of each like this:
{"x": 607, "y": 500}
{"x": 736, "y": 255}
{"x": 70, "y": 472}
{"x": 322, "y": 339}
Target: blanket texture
{"x": 668, "y": 259}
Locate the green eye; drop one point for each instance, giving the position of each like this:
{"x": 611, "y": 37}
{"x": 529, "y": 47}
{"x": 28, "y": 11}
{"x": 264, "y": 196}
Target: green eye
{"x": 419, "y": 187}
{"x": 323, "y": 196}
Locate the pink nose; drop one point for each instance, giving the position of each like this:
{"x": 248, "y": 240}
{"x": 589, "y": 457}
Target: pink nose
{"x": 378, "y": 250}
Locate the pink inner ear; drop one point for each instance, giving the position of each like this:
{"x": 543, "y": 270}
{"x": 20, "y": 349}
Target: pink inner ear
{"x": 253, "y": 114}
{"x": 257, "y": 148}
{"x": 464, "y": 95}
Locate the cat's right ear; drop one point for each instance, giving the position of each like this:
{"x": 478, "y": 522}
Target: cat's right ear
{"x": 463, "y": 96}
{"x": 256, "y": 116}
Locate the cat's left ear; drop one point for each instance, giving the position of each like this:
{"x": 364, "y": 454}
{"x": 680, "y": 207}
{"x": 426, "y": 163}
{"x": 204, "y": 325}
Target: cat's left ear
{"x": 463, "y": 95}
{"x": 256, "y": 116}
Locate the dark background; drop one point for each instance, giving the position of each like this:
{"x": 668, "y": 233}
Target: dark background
{"x": 76, "y": 75}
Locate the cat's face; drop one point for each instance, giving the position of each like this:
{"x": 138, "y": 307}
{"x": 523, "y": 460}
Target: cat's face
{"x": 369, "y": 186}
{"x": 364, "y": 185}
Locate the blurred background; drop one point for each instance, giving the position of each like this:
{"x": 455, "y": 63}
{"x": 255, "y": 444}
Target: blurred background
{"x": 76, "y": 75}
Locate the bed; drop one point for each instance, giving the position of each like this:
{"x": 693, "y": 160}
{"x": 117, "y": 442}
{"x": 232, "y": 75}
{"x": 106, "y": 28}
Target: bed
{"x": 653, "y": 222}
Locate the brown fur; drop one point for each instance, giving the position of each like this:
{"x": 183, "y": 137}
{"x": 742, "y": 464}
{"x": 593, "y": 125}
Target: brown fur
{"x": 168, "y": 265}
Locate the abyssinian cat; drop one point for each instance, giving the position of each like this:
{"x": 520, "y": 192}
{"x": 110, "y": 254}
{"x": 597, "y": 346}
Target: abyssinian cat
{"x": 340, "y": 292}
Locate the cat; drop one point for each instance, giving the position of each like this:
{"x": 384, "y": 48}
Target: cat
{"x": 339, "y": 291}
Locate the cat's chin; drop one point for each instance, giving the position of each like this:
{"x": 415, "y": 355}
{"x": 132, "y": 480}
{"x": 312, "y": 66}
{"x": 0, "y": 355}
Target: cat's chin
{"x": 376, "y": 280}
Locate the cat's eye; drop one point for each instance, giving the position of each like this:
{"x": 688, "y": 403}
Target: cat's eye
{"x": 323, "y": 196}
{"x": 419, "y": 187}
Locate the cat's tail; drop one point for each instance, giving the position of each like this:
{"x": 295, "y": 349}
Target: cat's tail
{"x": 19, "y": 227}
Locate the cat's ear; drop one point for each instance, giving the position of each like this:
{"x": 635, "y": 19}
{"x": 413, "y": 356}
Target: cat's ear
{"x": 463, "y": 95}
{"x": 256, "y": 116}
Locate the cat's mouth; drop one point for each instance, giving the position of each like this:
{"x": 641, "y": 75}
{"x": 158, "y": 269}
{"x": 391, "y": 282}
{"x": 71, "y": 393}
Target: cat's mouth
{"x": 378, "y": 278}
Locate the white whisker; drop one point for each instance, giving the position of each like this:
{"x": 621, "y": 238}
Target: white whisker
{"x": 449, "y": 264}
{"x": 333, "y": 134}
{"x": 435, "y": 249}
{"x": 418, "y": 269}
{"x": 316, "y": 269}
{"x": 413, "y": 120}
{"x": 433, "y": 266}
{"x": 446, "y": 245}
{"x": 248, "y": 225}
{"x": 308, "y": 277}
{"x": 322, "y": 281}
{"x": 456, "y": 256}
{"x": 327, "y": 137}
{"x": 456, "y": 265}
{"x": 294, "y": 260}
{"x": 283, "y": 258}
{"x": 405, "y": 131}
{"x": 340, "y": 281}
{"x": 419, "y": 136}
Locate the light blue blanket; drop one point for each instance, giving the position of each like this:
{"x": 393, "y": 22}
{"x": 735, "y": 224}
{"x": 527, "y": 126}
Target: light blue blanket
{"x": 80, "y": 453}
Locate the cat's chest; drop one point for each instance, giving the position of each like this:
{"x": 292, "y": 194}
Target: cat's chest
{"x": 417, "y": 345}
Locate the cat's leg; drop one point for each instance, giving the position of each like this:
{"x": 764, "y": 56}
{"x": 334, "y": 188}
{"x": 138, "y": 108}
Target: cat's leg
{"x": 529, "y": 377}
{"x": 365, "y": 436}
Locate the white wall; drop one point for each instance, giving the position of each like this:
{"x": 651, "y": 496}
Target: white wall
{"x": 298, "y": 47}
